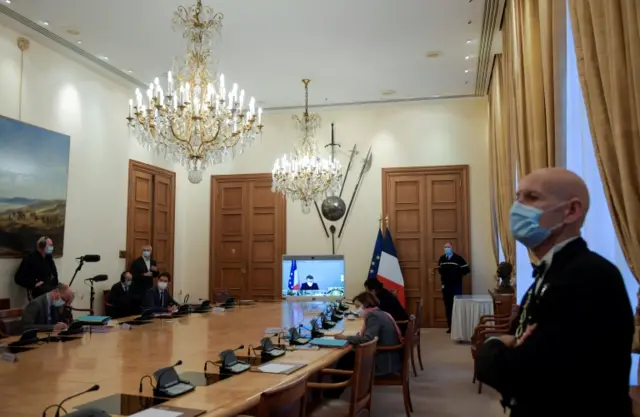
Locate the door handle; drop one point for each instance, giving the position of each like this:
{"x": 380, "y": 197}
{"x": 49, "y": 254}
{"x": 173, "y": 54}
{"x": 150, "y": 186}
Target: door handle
{"x": 242, "y": 270}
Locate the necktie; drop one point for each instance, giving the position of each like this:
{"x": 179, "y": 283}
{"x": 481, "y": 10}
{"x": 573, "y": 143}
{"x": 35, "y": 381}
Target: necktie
{"x": 161, "y": 298}
{"x": 539, "y": 270}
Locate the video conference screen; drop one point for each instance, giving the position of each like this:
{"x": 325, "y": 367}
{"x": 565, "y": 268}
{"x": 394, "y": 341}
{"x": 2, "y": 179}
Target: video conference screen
{"x": 313, "y": 276}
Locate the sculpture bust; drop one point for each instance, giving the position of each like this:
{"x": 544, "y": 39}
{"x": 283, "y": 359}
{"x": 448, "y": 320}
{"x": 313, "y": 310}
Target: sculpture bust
{"x": 504, "y": 276}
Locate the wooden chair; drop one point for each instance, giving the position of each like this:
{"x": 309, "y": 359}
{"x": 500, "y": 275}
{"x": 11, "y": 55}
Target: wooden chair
{"x": 105, "y": 300}
{"x": 416, "y": 337}
{"x": 502, "y": 303}
{"x": 489, "y": 325}
{"x": 403, "y": 379}
{"x": 287, "y": 400}
{"x": 10, "y": 322}
{"x": 360, "y": 381}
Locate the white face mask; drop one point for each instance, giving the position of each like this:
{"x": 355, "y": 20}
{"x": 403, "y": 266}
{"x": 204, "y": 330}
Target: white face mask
{"x": 162, "y": 285}
{"x": 359, "y": 311}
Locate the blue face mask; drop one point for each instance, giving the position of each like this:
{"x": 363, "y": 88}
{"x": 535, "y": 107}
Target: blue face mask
{"x": 448, "y": 251}
{"x": 58, "y": 303}
{"x": 49, "y": 250}
{"x": 525, "y": 225}
{"x": 146, "y": 253}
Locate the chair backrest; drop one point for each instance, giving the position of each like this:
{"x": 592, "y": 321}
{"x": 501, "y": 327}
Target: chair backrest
{"x": 286, "y": 400}
{"x": 362, "y": 379}
{"x": 408, "y": 347}
{"x": 502, "y": 303}
{"x": 10, "y": 321}
{"x": 418, "y": 323}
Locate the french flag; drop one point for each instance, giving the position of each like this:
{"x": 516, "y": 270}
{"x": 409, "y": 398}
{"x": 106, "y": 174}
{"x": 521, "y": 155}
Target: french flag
{"x": 293, "y": 283}
{"x": 389, "y": 273}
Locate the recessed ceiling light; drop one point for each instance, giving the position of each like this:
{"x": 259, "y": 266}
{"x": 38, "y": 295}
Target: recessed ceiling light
{"x": 127, "y": 71}
{"x": 436, "y": 96}
{"x": 469, "y": 41}
{"x": 79, "y": 42}
{"x": 44, "y": 23}
{"x": 468, "y": 57}
{"x": 104, "y": 58}
{"x": 388, "y": 92}
{"x": 7, "y": 1}
{"x": 466, "y": 71}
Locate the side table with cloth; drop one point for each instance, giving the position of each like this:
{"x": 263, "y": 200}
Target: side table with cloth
{"x": 467, "y": 310}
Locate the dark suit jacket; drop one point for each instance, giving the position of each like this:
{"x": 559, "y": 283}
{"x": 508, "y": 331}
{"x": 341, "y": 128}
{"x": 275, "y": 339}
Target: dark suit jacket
{"x": 391, "y": 304}
{"x": 306, "y": 287}
{"x": 33, "y": 268}
{"x": 120, "y": 302}
{"x": 152, "y": 299}
{"x": 577, "y": 360}
{"x": 35, "y": 315}
{"x": 141, "y": 283}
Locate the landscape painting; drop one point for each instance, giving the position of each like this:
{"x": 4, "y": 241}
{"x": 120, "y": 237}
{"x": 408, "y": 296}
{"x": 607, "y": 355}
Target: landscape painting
{"x": 34, "y": 166}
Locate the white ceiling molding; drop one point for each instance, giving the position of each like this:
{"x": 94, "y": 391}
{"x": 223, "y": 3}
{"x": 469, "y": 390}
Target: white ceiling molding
{"x": 492, "y": 18}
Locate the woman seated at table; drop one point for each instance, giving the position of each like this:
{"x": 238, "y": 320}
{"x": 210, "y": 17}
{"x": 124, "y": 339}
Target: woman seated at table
{"x": 377, "y": 323}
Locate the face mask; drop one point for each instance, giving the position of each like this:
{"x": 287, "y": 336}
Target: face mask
{"x": 49, "y": 250}
{"x": 146, "y": 253}
{"x": 127, "y": 283}
{"x": 448, "y": 251}
{"x": 359, "y": 311}
{"x": 162, "y": 285}
{"x": 525, "y": 225}
{"x": 58, "y": 303}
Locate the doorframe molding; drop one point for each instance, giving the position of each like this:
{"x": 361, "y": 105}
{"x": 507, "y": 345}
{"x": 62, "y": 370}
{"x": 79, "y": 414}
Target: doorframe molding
{"x": 150, "y": 169}
{"x": 217, "y": 179}
{"x": 463, "y": 170}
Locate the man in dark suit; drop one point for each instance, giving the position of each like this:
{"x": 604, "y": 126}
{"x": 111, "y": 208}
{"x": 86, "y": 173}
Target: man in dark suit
{"x": 143, "y": 270}
{"x": 570, "y": 351}
{"x": 37, "y": 271}
{"x": 158, "y": 297}
{"x": 309, "y": 285}
{"x": 42, "y": 313}
{"x": 388, "y": 301}
{"x": 452, "y": 267}
{"x": 120, "y": 298}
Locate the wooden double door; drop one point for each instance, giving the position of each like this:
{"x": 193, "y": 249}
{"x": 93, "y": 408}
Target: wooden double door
{"x": 151, "y": 214}
{"x": 427, "y": 207}
{"x": 248, "y": 232}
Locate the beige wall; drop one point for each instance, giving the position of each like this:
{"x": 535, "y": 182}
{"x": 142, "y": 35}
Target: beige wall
{"x": 62, "y": 95}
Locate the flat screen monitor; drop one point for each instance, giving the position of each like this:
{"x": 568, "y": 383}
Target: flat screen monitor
{"x": 308, "y": 278}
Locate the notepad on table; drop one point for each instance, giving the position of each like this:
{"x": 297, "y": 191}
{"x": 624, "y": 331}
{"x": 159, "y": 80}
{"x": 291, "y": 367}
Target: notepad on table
{"x": 329, "y": 342}
{"x": 94, "y": 319}
{"x": 278, "y": 368}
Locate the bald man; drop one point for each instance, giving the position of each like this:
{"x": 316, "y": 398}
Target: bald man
{"x": 42, "y": 313}
{"x": 37, "y": 272}
{"x": 570, "y": 349}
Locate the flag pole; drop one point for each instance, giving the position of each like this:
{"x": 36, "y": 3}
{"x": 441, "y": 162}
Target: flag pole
{"x": 386, "y": 221}
{"x": 380, "y": 221}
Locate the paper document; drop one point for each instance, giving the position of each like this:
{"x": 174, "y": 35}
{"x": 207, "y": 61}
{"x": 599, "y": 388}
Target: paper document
{"x": 154, "y": 412}
{"x": 274, "y": 330}
{"x": 276, "y": 368}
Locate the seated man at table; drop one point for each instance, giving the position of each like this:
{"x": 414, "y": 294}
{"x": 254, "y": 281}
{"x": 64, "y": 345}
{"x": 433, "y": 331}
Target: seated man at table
{"x": 158, "y": 298}
{"x": 377, "y": 323}
{"x": 120, "y": 302}
{"x": 43, "y": 312}
{"x": 387, "y": 301}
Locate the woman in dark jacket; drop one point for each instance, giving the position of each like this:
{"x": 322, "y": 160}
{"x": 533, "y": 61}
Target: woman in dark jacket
{"x": 377, "y": 323}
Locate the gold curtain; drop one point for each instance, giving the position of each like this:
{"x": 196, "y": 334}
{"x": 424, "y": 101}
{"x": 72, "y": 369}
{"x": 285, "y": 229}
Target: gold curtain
{"x": 607, "y": 42}
{"x": 502, "y": 161}
{"x": 528, "y": 47}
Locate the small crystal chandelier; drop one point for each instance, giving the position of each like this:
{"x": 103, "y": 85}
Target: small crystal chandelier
{"x": 191, "y": 121}
{"x": 303, "y": 175}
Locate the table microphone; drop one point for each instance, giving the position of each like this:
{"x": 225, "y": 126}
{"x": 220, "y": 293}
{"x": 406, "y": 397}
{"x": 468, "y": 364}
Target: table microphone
{"x": 59, "y": 406}
{"x": 159, "y": 378}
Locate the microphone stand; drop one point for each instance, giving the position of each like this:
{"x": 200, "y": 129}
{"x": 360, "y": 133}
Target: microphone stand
{"x": 80, "y": 264}
{"x": 92, "y": 294}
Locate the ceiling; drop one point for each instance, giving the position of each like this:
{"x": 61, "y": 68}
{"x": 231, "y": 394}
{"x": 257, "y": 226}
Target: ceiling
{"x": 354, "y": 51}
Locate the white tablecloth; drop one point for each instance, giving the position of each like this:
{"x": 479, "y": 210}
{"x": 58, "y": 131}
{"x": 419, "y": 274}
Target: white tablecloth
{"x": 467, "y": 310}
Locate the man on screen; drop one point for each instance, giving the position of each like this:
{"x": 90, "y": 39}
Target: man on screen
{"x": 309, "y": 285}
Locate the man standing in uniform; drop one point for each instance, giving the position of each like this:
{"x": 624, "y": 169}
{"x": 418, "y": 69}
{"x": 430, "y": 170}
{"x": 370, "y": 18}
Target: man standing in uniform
{"x": 452, "y": 267}
{"x": 37, "y": 271}
{"x": 571, "y": 351}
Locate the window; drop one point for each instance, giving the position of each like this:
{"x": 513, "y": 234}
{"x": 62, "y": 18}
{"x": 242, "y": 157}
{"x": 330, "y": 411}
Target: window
{"x": 598, "y": 229}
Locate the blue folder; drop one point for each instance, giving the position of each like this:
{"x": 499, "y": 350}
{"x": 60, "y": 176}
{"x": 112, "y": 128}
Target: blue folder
{"x": 94, "y": 319}
{"x": 329, "y": 342}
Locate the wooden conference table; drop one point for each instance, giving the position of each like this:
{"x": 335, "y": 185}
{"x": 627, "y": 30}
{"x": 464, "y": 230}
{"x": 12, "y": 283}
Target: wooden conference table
{"x": 116, "y": 360}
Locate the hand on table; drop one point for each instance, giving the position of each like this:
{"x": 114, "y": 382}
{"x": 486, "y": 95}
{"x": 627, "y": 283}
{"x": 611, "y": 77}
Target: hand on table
{"x": 154, "y": 268}
{"x": 173, "y": 309}
{"x": 59, "y": 327}
{"x": 340, "y": 337}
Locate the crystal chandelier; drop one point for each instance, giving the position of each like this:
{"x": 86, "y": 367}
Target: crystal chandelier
{"x": 303, "y": 175}
{"x": 191, "y": 121}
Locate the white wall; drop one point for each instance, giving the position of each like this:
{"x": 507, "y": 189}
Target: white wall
{"x": 439, "y": 132}
{"x": 63, "y": 95}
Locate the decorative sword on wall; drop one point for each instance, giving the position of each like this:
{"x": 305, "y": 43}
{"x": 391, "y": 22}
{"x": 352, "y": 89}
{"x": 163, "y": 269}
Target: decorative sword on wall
{"x": 333, "y": 208}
